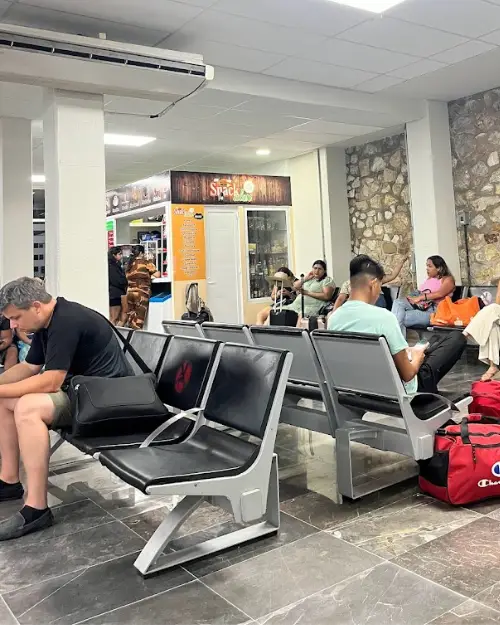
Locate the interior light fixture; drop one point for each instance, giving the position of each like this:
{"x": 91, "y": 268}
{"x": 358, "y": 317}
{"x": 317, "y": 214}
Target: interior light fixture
{"x": 263, "y": 152}
{"x": 375, "y": 6}
{"x": 134, "y": 141}
{"x": 38, "y": 178}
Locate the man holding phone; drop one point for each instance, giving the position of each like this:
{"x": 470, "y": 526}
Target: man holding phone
{"x": 421, "y": 367}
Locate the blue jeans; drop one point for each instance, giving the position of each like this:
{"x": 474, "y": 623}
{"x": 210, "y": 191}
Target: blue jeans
{"x": 408, "y": 317}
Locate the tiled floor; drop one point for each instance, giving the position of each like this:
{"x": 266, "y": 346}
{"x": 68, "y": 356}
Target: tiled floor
{"x": 395, "y": 557}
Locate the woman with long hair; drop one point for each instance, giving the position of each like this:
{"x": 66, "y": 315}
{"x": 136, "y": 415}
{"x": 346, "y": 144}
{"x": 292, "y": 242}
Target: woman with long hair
{"x": 117, "y": 286}
{"x": 139, "y": 272}
{"x": 416, "y": 311}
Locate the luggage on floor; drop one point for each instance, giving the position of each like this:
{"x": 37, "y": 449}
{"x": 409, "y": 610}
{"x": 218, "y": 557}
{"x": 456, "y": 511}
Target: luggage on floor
{"x": 465, "y": 467}
{"x": 313, "y": 322}
{"x": 457, "y": 314}
{"x": 283, "y": 318}
{"x": 485, "y": 398}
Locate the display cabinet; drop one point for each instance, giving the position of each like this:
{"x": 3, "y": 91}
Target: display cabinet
{"x": 267, "y": 247}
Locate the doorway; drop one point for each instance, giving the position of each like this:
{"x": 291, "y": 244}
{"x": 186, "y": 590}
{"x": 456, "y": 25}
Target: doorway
{"x": 222, "y": 240}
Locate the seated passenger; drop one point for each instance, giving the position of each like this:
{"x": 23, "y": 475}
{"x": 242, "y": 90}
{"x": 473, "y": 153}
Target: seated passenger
{"x": 345, "y": 290}
{"x": 8, "y": 352}
{"x": 285, "y": 295}
{"x": 316, "y": 288}
{"x": 439, "y": 284}
{"x": 68, "y": 340}
{"x": 484, "y": 329}
{"x": 420, "y": 369}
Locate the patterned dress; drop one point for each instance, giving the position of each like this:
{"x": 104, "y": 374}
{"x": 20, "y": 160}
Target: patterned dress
{"x": 139, "y": 291}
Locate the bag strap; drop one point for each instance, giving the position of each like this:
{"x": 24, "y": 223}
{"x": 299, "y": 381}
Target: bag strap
{"x": 302, "y": 294}
{"x": 464, "y": 431}
{"x": 128, "y": 348}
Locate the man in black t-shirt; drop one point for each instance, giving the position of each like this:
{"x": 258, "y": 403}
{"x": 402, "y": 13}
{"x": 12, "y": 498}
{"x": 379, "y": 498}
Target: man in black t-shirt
{"x": 69, "y": 339}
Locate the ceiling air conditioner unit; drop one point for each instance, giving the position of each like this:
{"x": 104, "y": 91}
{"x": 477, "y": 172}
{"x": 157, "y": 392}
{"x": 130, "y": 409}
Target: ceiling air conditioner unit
{"x": 62, "y": 61}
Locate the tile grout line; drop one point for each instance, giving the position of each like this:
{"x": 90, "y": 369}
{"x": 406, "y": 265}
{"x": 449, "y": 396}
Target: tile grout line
{"x": 227, "y": 601}
{"x": 9, "y": 611}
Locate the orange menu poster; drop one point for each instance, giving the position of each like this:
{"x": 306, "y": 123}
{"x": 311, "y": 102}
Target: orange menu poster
{"x": 188, "y": 242}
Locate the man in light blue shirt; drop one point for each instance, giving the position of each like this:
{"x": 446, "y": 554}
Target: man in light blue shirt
{"x": 420, "y": 369}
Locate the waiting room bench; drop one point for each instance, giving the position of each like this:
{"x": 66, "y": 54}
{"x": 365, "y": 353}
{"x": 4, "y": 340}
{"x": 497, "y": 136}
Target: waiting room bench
{"x": 187, "y": 368}
{"x": 214, "y": 465}
{"x": 182, "y": 328}
{"x": 227, "y": 333}
{"x": 306, "y": 381}
{"x": 364, "y": 383}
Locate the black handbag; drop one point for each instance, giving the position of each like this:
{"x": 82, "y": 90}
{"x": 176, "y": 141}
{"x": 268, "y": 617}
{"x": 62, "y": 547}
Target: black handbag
{"x": 107, "y": 406}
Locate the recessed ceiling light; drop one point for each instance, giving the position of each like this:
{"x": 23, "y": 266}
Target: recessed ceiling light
{"x": 134, "y": 141}
{"x": 263, "y": 152}
{"x": 375, "y": 6}
{"x": 38, "y": 178}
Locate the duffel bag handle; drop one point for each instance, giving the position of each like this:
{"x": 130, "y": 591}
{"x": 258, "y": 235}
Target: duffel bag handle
{"x": 464, "y": 431}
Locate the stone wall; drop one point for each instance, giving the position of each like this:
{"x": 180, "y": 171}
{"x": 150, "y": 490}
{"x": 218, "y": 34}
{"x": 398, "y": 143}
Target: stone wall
{"x": 379, "y": 201}
{"x": 475, "y": 142}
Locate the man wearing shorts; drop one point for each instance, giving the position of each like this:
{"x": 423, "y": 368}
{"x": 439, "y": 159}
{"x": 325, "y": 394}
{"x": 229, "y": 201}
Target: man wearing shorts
{"x": 69, "y": 339}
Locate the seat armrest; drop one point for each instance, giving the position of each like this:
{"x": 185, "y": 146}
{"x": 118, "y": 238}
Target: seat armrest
{"x": 161, "y": 428}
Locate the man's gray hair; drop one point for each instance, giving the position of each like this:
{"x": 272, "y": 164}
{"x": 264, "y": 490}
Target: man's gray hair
{"x": 22, "y": 292}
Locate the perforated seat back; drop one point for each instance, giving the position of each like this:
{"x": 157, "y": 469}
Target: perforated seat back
{"x": 358, "y": 363}
{"x": 244, "y": 387}
{"x": 291, "y": 339}
{"x": 125, "y": 333}
{"x": 477, "y": 291}
{"x": 226, "y": 333}
{"x": 181, "y": 328}
{"x": 150, "y": 347}
{"x": 185, "y": 372}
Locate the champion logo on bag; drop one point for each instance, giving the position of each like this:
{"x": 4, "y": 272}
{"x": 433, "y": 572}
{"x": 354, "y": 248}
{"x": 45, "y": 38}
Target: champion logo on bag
{"x": 495, "y": 469}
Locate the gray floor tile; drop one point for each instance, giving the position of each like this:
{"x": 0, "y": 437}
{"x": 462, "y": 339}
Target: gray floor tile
{"x": 89, "y": 479}
{"x": 324, "y": 513}
{"x": 490, "y": 597}
{"x": 90, "y": 592}
{"x": 6, "y": 616}
{"x": 26, "y": 565}
{"x": 192, "y": 604}
{"x": 468, "y": 613}
{"x": 145, "y": 524}
{"x": 382, "y": 595}
{"x": 276, "y": 579}
{"x": 125, "y": 501}
{"x": 68, "y": 519}
{"x": 404, "y": 525}
{"x": 466, "y": 560}
{"x": 291, "y": 530}
{"x": 315, "y": 476}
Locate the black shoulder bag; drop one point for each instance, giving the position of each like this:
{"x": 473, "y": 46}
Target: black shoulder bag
{"x": 108, "y": 406}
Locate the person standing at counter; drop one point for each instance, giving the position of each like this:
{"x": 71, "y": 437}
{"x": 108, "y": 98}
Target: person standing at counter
{"x": 117, "y": 284}
{"x": 139, "y": 272}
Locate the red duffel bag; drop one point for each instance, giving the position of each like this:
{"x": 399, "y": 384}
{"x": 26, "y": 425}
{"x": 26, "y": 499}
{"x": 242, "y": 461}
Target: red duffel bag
{"x": 485, "y": 399}
{"x": 465, "y": 466}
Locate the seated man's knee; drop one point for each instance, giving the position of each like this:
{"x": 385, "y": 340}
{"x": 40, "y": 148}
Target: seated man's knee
{"x": 31, "y": 407}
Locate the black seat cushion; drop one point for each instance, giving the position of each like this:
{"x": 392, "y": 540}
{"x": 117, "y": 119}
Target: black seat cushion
{"x": 307, "y": 391}
{"x": 91, "y": 445}
{"x": 424, "y": 406}
{"x": 209, "y": 454}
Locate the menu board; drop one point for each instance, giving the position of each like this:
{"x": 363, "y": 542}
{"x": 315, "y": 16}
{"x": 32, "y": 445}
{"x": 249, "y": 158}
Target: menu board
{"x": 110, "y": 229}
{"x": 139, "y": 194}
{"x": 188, "y": 242}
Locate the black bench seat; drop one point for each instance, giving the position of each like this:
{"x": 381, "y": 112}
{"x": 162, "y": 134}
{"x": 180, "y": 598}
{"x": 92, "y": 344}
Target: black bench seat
{"x": 210, "y": 453}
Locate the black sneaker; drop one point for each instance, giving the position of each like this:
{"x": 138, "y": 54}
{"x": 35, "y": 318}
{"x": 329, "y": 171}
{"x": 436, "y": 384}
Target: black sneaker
{"x": 9, "y": 492}
{"x": 16, "y": 526}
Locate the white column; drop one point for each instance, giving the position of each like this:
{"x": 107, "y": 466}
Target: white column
{"x": 431, "y": 185}
{"x": 76, "y": 263}
{"x": 16, "y": 200}
{"x": 335, "y": 212}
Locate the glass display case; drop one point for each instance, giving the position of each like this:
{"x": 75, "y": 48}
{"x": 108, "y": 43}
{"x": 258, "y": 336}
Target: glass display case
{"x": 268, "y": 250}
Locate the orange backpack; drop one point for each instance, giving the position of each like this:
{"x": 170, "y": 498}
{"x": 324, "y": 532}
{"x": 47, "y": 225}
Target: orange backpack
{"x": 458, "y": 313}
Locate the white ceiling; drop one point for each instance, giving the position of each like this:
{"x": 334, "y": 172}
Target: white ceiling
{"x": 291, "y": 75}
